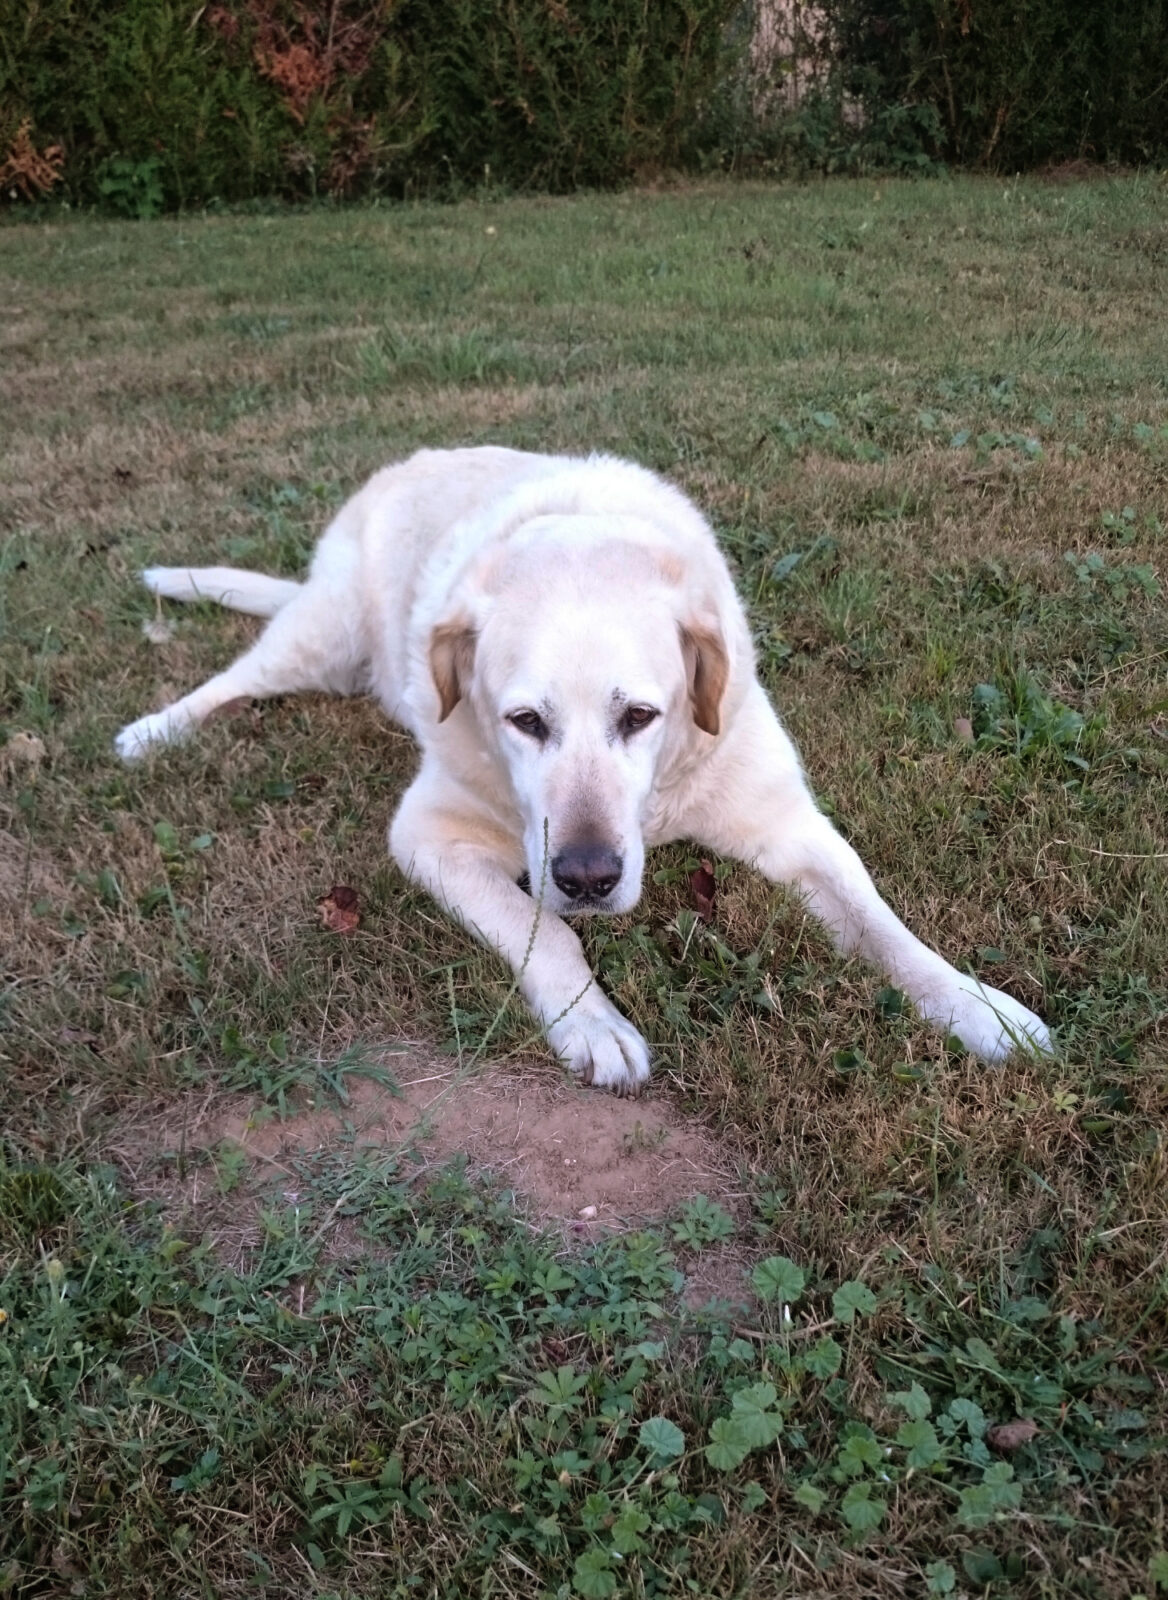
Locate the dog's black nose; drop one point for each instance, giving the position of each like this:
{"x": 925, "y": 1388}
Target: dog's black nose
{"x": 586, "y": 869}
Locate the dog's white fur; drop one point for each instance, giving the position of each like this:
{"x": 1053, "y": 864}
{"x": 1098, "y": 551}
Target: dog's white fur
{"x": 465, "y": 588}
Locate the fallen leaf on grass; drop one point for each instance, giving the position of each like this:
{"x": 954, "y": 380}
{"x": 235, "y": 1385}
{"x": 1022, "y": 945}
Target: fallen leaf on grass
{"x": 340, "y": 909}
{"x": 24, "y": 748}
{"x": 1011, "y": 1435}
{"x": 81, "y": 1036}
{"x": 703, "y": 887}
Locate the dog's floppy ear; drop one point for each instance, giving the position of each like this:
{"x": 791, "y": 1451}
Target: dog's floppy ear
{"x": 452, "y": 651}
{"x": 707, "y": 668}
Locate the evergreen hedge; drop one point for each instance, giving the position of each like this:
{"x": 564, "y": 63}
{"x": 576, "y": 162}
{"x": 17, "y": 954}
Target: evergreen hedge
{"x": 1014, "y": 84}
{"x": 159, "y": 103}
{"x": 145, "y": 105}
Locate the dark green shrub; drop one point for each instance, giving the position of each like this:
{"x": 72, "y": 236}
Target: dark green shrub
{"x": 785, "y": 100}
{"x": 906, "y": 85}
{"x": 147, "y": 105}
{"x": 158, "y": 103}
{"x": 141, "y": 96}
{"x": 559, "y": 95}
{"x": 1014, "y": 83}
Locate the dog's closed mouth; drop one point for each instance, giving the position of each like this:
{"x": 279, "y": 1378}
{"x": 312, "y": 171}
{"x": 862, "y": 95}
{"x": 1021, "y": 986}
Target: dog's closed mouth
{"x": 586, "y": 903}
{"x": 583, "y": 903}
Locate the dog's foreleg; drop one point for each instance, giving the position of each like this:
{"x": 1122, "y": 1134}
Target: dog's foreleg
{"x": 837, "y": 888}
{"x": 470, "y": 866}
{"x": 309, "y": 644}
{"x": 774, "y": 823}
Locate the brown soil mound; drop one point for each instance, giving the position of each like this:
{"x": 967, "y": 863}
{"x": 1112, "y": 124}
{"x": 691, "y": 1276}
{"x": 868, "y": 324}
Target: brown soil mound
{"x": 573, "y": 1156}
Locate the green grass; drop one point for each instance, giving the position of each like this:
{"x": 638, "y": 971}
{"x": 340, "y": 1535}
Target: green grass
{"x": 929, "y": 423}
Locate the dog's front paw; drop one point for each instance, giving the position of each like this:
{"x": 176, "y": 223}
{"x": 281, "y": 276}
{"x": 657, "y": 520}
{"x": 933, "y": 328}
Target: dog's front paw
{"x": 600, "y": 1047}
{"x": 988, "y": 1022}
{"x": 138, "y": 738}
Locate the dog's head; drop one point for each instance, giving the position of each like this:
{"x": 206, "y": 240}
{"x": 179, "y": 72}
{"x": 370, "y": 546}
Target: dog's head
{"x": 592, "y": 673}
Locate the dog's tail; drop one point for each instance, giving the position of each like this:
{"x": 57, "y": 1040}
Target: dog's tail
{"x": 253, "y": 592}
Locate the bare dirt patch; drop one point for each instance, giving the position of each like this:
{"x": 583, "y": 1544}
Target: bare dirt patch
{"x": 574, "y": 1157}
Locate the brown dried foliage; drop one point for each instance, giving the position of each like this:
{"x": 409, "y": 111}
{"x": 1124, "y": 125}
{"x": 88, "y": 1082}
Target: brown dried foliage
{"x": 326, "y": 45}
{"x": 353, "y": 153}
{"x": 27, "y": 170}
{"x": 315, "y": 52}
{"x": 340, "y": 909}
{"x": 224, "y": 22}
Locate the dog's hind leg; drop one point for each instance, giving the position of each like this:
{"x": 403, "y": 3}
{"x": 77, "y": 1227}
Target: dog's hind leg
{"x": 312, "y": 642}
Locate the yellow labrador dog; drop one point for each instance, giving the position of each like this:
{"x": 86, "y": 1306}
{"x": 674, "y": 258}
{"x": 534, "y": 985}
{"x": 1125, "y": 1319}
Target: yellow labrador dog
{"x": 563, "y": 639}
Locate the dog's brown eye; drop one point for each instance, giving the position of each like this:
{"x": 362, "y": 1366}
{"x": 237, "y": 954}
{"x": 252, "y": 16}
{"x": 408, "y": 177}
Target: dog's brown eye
{"x": 637, "y": 717}
{"x": 529, "y": 722}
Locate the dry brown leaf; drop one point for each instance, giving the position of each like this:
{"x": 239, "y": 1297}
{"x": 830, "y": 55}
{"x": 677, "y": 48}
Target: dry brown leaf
{"x": 703, "y": 888}
{"x": 24, "y": 748}
{"x": 79, "y": 1036}
{"x": 1011, "y": 1435}
{"x": 340, "y": 909}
